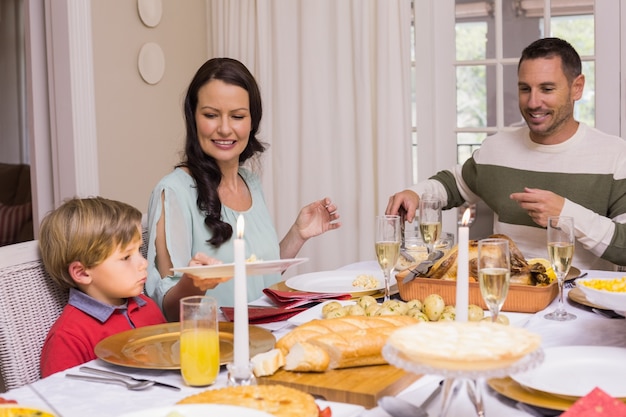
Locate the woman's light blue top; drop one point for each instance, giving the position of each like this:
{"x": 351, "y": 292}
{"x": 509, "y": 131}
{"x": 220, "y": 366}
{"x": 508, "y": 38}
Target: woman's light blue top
{"x": 186, "y": 234}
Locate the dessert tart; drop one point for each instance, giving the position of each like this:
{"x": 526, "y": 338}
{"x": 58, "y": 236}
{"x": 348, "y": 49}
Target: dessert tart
{"x": 463, "y": 346}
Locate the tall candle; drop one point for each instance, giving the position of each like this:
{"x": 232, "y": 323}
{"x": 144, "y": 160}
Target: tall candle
{"x": 241, "y": 349}
{"x": 462, "y": 272}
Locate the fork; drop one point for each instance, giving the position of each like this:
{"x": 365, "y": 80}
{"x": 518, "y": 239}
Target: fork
{"x": 570, "y": 283}
{"x": 124, "y": 377}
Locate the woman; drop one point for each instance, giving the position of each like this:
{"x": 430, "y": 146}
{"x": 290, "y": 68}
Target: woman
{"x": 193, "y": 210}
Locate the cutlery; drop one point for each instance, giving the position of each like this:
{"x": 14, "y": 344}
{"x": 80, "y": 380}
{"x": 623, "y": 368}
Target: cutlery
{"x": 128, "y": 378}
{"x": 570, "y": 282}
{"x": 133, "y": 386}
{"x": 423, "y": 266}
{"x": 397, "y": 407}
{"x": 406, "y": 255}
{"x": 610, "y": 314}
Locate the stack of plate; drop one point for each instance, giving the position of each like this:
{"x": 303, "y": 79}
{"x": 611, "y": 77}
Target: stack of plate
{"x": 567, "y": 374}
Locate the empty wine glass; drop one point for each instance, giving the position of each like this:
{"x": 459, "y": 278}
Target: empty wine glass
{"x": 494, "y": 272}
{"x": 560, "y": 252}
{"x": 388, "y": 236}
{"x": 430, "y": 220}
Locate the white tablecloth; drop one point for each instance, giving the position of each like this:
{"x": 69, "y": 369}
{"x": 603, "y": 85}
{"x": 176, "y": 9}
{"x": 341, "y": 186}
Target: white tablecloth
{"x": 73, "y": 398}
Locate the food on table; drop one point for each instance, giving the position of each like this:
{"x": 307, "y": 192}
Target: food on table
{"x": 366, "y": 281}
{"x": 328, "y": 307}
{"x": 432, "y": 309}
{"x": 522, "y": 271}
{"x": 345, "y": 342}
{"x": 611, "y": 285}
{"x": 267, "y": 363}
{"x": 475, "y": 313}
{"x": 464, "y": 346}
{"x": 278, "y": 400}
{"x": 433, "y": 306}
{"x": 546, "y": 264}
{"x": 21, "y": 411}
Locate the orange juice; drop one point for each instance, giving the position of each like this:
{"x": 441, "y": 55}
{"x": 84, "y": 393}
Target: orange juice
{"x": 199, "y": 356}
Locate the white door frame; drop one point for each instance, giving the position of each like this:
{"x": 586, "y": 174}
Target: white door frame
{"x": 60, "y": 102}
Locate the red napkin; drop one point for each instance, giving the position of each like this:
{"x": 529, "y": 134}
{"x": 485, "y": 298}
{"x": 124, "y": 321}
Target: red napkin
{"x": 292, "y": 299}
{"x": 596, "y": 403}
{"x": 260, "y": 315}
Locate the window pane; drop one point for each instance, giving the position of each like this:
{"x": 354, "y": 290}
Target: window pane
{"x": 471, "y": 96}
{"x": 471, "y": 41}
{"x": 512, "y": 116}
{"x": 467, "y": 143}
{"x": 577, "y": 30}
{"x": 585, "y": 109}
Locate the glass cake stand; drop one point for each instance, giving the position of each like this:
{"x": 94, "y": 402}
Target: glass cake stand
{"x": 455, "y": 377}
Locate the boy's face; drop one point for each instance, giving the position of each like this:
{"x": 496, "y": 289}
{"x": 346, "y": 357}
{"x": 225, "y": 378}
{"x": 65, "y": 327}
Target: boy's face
{"x": 121, "y": 275}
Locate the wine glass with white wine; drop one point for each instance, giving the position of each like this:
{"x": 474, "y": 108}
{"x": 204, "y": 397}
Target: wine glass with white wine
{"x": 494, "y": 273}
{"x": 430, "y": 220}
{"x": 560, "y": 252}
{"x": 388, "y": 236}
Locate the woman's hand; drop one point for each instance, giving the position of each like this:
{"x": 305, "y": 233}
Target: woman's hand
{"x": 317, "y": 218}
{"x": 313, "y": 220}
{"x": 202, "y": 283}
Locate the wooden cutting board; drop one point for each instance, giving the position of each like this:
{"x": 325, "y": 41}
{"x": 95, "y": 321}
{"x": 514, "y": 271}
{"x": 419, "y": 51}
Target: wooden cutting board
{"x": 361, "y": 386}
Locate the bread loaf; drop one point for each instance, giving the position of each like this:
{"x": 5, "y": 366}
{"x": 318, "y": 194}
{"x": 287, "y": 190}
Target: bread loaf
{"x": 343, "y": 342}
{"x": 267, "y": 363}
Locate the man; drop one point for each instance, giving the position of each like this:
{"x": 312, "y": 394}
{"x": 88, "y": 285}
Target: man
{"x": 553, "y": 166}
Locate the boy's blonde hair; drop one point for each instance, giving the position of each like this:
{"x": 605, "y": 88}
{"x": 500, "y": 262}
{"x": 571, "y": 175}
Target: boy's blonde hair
{"x": 87, "y": 230}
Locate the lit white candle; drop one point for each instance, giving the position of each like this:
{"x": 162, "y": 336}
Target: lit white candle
{"x": 241, "y": 349}
{"x": 462, "y": 272}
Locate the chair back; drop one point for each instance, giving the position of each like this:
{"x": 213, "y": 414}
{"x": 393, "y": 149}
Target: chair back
{"x": 30, "y": 303}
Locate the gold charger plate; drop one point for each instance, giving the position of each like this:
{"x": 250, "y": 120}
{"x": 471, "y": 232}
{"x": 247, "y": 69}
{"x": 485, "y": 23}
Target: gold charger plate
{"x": 518, "y": 392}
{"x": 573, "y": 273}
{"x": 156, "y": 347}
{"x": 515, "y": 391}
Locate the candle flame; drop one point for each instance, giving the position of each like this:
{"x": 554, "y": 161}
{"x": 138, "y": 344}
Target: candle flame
{"x": 240, "y": 224}
{"x": 466, "y": 217}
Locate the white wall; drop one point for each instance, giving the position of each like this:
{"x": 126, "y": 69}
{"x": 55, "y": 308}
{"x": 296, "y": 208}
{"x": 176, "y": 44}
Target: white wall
{"x": 140, "y": 127}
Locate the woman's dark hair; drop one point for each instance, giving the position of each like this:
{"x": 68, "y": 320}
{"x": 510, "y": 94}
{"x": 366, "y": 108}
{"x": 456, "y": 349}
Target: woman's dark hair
{"x": 549, "y": 47}
{"x": 203, "y": 168}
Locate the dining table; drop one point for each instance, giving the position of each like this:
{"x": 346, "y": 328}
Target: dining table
{"x": 67, "y": 397}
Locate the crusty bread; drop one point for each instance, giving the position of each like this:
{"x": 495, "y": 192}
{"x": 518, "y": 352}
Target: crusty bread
{"x": 277, "y": 400}
{"x": 342, "y": 342}
{"x": 267, "y": 363}
{"x": 306, "y": 357}
{"x": 319, "y": 327}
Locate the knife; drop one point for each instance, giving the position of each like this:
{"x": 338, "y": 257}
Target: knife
{"x": 122, "y": 376}
{"x": 423, "y": 267}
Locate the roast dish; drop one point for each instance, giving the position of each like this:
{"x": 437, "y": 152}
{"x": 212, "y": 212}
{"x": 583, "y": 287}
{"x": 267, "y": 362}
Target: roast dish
{"x": 522, "y": 272}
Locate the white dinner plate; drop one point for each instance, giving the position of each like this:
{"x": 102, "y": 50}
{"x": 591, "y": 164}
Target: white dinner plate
{"x": 574, "y": 371}
{"x": 252, "y": 268}
{"x": 198, "y": 410}
{"x": 335, "y": 282}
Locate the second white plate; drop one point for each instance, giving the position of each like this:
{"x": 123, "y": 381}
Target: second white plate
{"x": 252, "y": 268}
{"x": 335, "y": 282}
{"x": 574, "y": 371}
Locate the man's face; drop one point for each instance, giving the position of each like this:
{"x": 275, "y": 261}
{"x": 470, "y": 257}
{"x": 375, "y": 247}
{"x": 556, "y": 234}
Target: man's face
{"x": 546, "y": 99}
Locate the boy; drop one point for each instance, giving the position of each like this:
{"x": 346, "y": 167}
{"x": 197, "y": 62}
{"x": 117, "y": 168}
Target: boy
{"x": 91, "y": 246}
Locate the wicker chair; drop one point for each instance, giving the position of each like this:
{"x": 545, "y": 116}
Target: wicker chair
{"x": 29, "y": 305}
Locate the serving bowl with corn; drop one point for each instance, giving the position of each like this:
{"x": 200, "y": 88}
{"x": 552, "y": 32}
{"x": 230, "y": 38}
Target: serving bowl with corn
{"x": 608, "y": 293}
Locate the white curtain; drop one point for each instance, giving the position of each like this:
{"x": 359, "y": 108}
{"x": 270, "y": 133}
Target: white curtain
{"x": 335, "y": 81}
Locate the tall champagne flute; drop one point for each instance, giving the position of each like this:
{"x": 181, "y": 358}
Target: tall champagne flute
{"x": 388, "y": 236}
{"x": 430, "y": 220}
{"x": 494, "y": 273}
{"x": 560, "y": 251}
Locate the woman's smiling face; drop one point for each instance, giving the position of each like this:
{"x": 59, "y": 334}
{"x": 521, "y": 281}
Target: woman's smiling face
{"x": 223, "y": 120}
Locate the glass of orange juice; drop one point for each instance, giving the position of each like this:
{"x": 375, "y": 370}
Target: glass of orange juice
{"x": 199, "y": 340}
